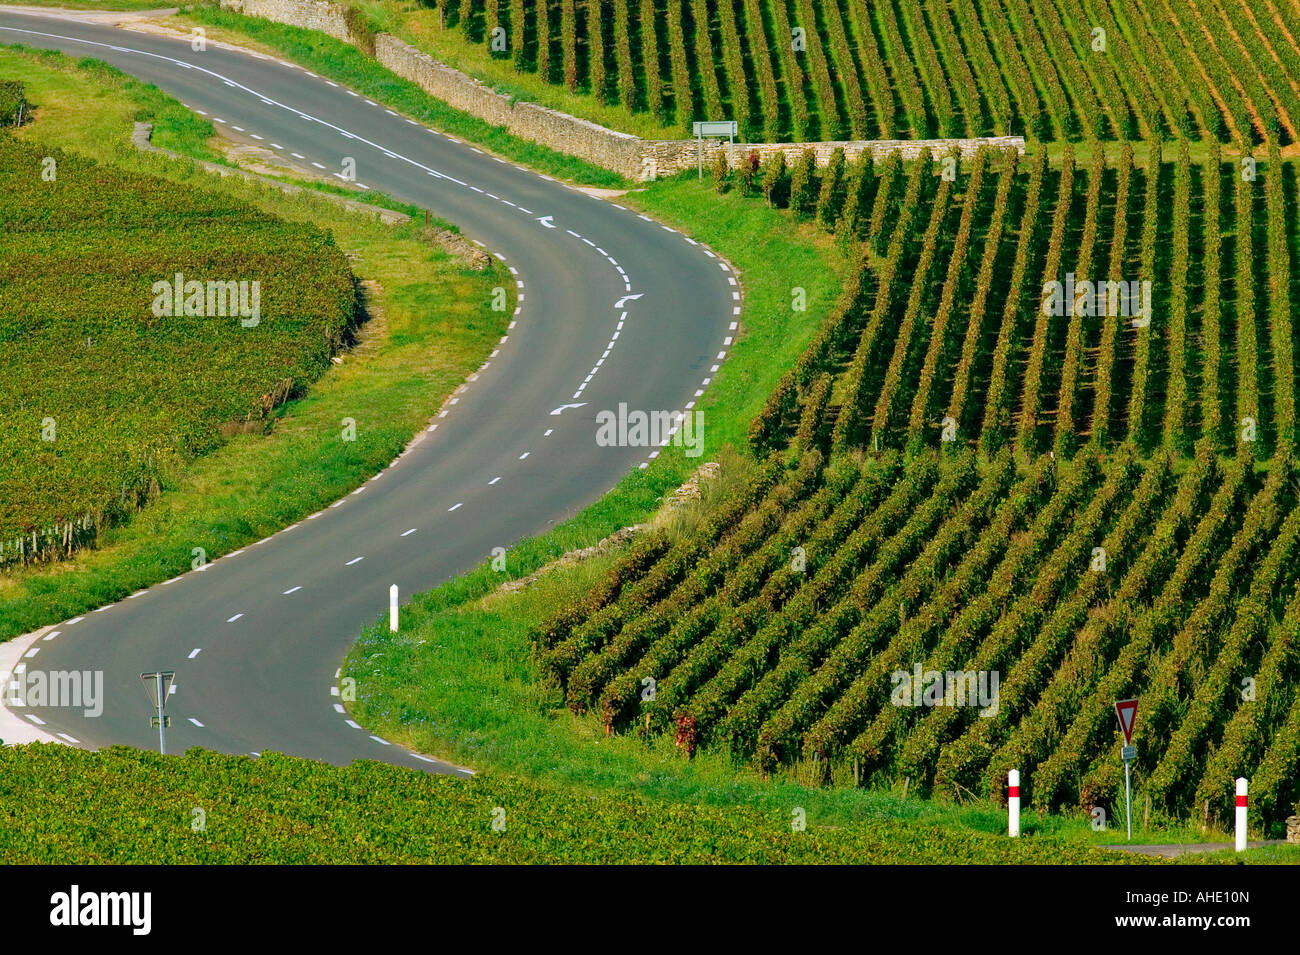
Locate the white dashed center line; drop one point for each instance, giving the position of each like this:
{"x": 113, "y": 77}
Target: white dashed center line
{"x": 234, "y": 618}
{"x": 353, "y": 561}
{"x": 195, "y": 652}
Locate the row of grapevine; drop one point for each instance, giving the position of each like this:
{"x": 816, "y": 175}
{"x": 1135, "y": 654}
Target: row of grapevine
{"x": 1212, "y": 243}
{"x": 1103, "y": 390}
{"x": 1074, "y": 338}
{"x": 1031, "y": 397}
{"x": 1139, "y": 388}
{"x": 904, "y": 344}
{"x": 850, "y": 427}
{"x": 1175, "y": 434}
{"x": 997, "y": 398}
{"x": 1279, "y": 301}
{"x": 683, "y": 93}
{"x": 1247, "y": 344}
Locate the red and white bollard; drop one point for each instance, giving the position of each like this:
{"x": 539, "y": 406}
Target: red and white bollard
{"x": 1241, "y": 814}
{"x": 1013, "y": 803}
{"x": 392, "y": 608}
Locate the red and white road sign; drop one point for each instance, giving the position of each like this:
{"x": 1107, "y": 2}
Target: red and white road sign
{"x": 1127, "y": 712}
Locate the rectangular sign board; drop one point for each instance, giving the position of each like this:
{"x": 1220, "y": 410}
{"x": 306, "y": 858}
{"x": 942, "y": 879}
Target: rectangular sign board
{"x": 1129, "y": 753}
{"x": 715, "y": 128}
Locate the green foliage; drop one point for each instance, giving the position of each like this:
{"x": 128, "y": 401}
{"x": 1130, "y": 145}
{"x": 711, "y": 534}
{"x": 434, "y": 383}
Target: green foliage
{"x": 105, "y": 398}
{"x": 124, "y": 806}
{"x": 13, "y": 105}
{"x": 803, "y": 185}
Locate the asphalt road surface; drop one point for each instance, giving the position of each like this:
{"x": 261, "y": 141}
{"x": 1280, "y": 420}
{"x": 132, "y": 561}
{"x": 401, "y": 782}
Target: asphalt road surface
{"x": 257, "y": 637}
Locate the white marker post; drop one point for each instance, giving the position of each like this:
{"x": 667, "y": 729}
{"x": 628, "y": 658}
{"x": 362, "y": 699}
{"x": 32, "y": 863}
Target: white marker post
{"x": 1241, "y": 814}
{"x": 1013, "y": 804}
{"x": 392, "y": 608}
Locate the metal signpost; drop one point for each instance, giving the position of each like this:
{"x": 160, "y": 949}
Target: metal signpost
{"x": 1127, "y": 712}
{"x": 720, "y": 127}
{"x": 157, "y": 686}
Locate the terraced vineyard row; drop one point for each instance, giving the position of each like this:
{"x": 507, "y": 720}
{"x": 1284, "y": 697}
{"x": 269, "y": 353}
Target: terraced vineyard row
{"x": 1133, "y": 299}
{"x": 819, "y": 612}
{"x": 807, "y": 70}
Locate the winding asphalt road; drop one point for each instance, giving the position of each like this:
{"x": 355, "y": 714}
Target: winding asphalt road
{"x": 256, "y": 637}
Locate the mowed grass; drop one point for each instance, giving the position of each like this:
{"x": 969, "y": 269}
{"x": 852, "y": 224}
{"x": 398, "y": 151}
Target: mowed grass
{"x": 436, "y": 326}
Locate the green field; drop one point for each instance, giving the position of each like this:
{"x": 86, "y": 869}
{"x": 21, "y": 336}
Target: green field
{"x": 61, "y": 805}
{"x": 111, "y": 390}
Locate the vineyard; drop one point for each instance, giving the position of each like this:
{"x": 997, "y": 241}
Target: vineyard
{"x": 779, "y": 630}
{"x": 985, "y": 468}
{"x": 104, "y": 398}
{"x": 807, "y": 70}
{"x": 950, "y": 334}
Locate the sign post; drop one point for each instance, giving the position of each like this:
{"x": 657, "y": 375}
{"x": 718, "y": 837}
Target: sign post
{"x": 1240, "y": 827}
{"x": 157, "y": 686}
{"x": 1013, "y": 803}
{"x": 1126, "y": 710}
{"x": 721, "y": 127}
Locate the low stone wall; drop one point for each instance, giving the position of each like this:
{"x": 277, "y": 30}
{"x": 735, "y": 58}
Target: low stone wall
{"x": 673, "y": 156}
{"x": 589, "y": 141}
{"x": 629, "y": 156}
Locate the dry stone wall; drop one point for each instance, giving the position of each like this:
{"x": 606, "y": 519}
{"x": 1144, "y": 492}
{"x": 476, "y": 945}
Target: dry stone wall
{"x": 630, "y": 156}
{"x": 309, "y": 14}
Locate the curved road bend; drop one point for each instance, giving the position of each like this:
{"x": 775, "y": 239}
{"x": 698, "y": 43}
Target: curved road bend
{"x": 256, "y": 637}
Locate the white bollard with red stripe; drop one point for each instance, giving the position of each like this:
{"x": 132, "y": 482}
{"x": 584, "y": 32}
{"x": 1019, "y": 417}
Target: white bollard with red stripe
{"x": 392, "y": 608}
{"x": 1241, "y": 814}
{"x": 1013, "y": 803}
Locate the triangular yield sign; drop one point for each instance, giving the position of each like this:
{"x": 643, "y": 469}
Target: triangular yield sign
{"x": 1127, "y": 712}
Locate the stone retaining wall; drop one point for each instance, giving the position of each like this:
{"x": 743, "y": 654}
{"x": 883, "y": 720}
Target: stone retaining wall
{"x": 630, "y": 156}
{"x": 309, "y": 14}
